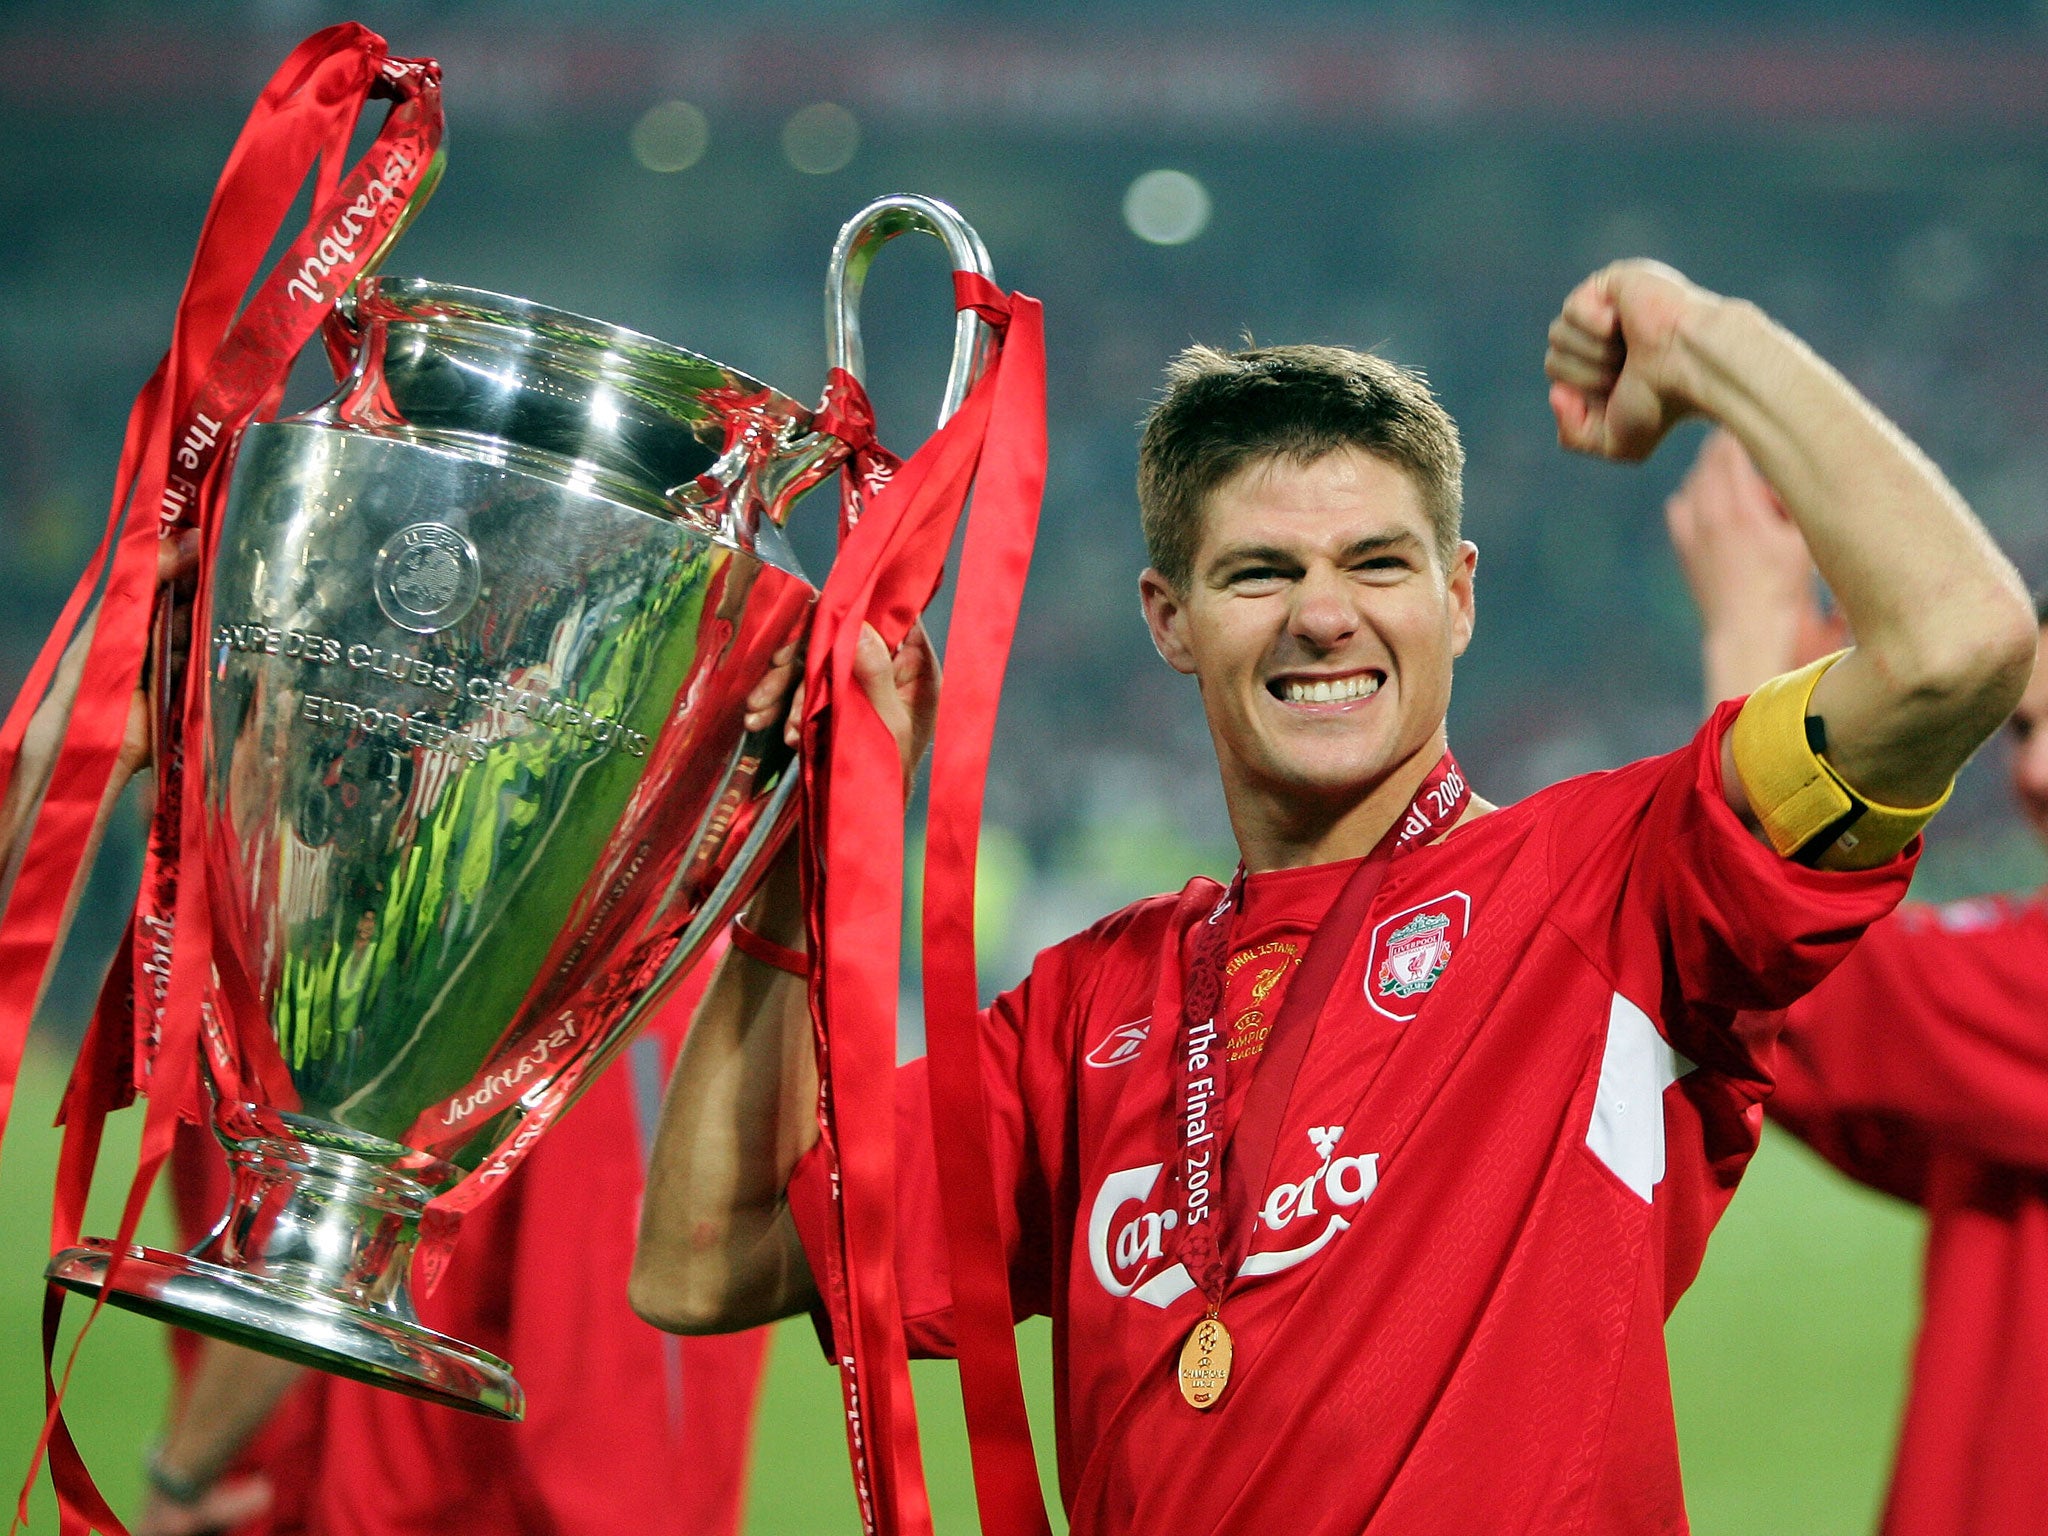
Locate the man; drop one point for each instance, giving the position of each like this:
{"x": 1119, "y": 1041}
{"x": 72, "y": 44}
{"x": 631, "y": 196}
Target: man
{"x": 1920, "y": 1067}
{"x": 1424, "y": 1288}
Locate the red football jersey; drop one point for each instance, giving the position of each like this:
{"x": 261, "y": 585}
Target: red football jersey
{"x": 1524, "y": 1106}
{"x": 626, "y": 1429}
{"x": 1921, "y": 1067}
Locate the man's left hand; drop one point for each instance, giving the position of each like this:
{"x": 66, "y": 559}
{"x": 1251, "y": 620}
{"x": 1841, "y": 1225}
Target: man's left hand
{"x": 1616, "y": 376}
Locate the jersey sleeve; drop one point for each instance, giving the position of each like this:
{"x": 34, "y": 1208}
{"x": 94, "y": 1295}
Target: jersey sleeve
{"x": 1693, "y": 916}
{"x": 922, "y": 1269}
{"x": 1932, "y": 1036}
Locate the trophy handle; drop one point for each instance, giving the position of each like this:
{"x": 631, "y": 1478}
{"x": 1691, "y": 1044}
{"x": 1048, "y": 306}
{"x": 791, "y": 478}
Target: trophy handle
{"x": 341, "y": 331}
{"x": 852, "y": 253}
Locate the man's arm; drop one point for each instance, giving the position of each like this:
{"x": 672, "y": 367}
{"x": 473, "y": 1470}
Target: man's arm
{"x": 1929, "y": 1037}
{"x": 718, "y": 1248}
{"x": 1944, "y": 631}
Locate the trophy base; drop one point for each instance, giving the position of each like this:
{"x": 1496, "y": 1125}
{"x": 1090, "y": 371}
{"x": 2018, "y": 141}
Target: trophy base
{"x": 294, "y": 1324}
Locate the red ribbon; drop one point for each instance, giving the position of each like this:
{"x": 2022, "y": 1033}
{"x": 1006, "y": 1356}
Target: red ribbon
{"x": 993, "y": 564}
{"x": 888, "y": 568}
{"x": 223, "y": 369}
{"x": 848, "y": 415}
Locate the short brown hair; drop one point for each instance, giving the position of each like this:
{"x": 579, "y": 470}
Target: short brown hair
{"x": 1224, "y": 410}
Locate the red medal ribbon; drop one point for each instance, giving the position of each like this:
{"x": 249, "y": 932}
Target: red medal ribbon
{"x": 1221, "y": 1169}
{"x": 223, "y": 370}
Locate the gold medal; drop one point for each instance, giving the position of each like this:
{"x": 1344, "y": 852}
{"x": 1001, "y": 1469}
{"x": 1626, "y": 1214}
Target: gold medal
{"x": 1205, "y": 1363}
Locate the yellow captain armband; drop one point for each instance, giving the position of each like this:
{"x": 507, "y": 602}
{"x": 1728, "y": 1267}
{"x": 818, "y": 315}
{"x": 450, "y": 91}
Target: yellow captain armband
{"x": 1806, "y": 809}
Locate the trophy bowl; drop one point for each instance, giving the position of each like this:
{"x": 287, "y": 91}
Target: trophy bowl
{"x": 478, "y": 787}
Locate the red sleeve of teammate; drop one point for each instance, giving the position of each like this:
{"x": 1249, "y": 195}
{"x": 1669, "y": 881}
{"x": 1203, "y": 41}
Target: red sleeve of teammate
{"x": 923, "y": 1274}
{"x": 1710, "y": 920}
{"x": 1932, "y": 1036}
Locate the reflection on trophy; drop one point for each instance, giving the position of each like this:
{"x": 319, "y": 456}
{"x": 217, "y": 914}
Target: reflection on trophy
{"x": 478, "y": 788}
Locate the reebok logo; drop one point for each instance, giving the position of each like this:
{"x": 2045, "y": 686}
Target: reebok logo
{"x": 1120, "y": 1045}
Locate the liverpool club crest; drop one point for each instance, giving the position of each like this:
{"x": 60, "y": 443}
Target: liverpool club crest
{"x": 1417, "y": 953}
{"x": 1411, "y": 949}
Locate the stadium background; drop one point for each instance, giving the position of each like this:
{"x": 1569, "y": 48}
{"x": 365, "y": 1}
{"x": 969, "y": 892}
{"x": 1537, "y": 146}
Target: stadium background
{"x": 1429, "y": 177}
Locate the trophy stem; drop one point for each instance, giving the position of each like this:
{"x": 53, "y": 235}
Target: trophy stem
{"x": 309, "y": 1263}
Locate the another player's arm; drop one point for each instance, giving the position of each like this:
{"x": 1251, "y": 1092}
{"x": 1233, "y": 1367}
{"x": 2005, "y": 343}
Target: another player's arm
{"x": 232, "y": 1392}
{"x": 177, "y": 559}
{"x": 1750, "y": 575}
{"x": 1944, "y": 631}
{"x": 718, "y": 1248}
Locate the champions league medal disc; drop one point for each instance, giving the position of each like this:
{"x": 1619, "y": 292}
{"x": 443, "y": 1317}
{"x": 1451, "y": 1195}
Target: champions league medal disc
{"x": 1205, "y": 1363}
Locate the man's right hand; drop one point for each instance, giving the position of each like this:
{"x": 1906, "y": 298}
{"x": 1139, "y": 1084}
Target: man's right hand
{"x": 904, "y": 689}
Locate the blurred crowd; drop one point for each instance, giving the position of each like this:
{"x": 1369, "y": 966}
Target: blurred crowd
{"x": 1430, "y": 181}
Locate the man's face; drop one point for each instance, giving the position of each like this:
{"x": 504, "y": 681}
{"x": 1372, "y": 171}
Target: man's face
{"x": 1319, "y": 623}
{"x": 2027, "y": 740}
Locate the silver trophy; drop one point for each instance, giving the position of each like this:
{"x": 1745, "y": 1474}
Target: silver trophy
{"x": 478, "y": 786}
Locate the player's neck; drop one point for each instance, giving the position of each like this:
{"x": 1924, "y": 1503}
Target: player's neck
{"x": 1280, "y": 831}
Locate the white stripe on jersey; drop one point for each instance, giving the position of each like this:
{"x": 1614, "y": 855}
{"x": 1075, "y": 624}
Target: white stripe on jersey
{"x": 1627, "y": 1130}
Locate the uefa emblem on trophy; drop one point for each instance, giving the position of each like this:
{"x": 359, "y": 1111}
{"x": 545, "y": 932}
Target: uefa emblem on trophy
{"x": 478, "y": 788}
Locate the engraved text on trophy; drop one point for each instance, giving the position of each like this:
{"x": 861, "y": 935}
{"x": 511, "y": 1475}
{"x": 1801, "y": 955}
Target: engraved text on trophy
{"x": 516, "y": 702}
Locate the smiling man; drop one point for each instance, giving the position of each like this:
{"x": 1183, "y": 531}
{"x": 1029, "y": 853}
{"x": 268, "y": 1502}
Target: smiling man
{"x": 1359, "y": 1190}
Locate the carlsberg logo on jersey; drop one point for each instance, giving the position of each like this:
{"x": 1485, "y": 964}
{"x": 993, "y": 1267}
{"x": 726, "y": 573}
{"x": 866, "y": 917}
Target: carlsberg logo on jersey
{"x": 1411, "y": 949}
{"x": 1127, "y": 1239}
